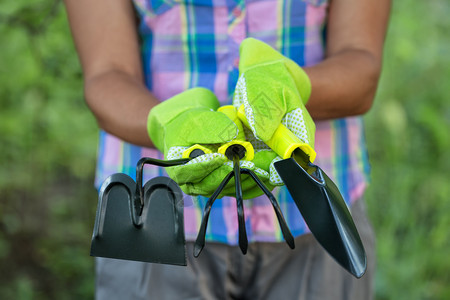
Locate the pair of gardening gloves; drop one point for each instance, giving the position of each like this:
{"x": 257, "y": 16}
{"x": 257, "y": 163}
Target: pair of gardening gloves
{"x": 271, "y": 90}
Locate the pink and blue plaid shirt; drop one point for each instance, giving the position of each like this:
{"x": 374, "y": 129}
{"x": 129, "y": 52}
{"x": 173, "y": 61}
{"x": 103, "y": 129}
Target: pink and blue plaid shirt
{"x": 189, "y": 43}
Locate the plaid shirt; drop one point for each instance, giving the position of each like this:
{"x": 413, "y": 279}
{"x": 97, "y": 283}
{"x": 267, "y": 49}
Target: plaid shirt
{"x": 189, "y": 43}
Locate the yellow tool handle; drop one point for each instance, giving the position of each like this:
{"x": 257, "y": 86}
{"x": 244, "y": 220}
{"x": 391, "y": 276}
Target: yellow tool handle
{"x": 194, "y": 151}
{"x": 249, "y": 151}
{"x": 283, "y": 141}
{"x": 231, "y": 112}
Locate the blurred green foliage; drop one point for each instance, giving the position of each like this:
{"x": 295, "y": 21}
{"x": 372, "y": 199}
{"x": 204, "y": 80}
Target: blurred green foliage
{"x": 48, "y": 146}
{"x": 408, "y": 132}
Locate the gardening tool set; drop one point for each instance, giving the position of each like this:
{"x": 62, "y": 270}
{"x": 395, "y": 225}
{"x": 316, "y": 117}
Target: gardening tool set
{"x": 144, "y": 222}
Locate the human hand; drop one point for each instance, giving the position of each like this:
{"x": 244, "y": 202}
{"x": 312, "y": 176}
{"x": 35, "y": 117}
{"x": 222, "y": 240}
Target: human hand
{"x": 184, "y": 120}
{"x": 191, "y": 176}
{"x": 192, "y": 181}
{"x": 273, "y": 90}
{"x": 189, "y": 119}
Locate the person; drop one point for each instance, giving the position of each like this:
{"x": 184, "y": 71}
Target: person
{"x": 136, "y": 54}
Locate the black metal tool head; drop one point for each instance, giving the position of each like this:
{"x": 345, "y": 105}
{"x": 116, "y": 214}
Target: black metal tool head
{"x": 236, "y": 154}
{"x": 151, "y": 233}
{"x": 326, "y": 213}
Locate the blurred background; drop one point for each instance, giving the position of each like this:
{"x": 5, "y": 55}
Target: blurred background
{"x": 48, "y": 146}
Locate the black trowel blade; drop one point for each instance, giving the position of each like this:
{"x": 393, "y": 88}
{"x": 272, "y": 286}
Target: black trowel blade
{"x": 326, "y": 214}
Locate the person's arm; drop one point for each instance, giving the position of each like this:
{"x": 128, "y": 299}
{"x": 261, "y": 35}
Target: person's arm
{"x": 106, "y": 40}
{"x": 344, "y": 84}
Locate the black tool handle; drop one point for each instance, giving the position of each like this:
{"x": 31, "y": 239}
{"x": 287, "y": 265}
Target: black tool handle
{"x": 243, "y": 242}
{"x": 139, "y": 201}
{"x": 281, "y": 221}
{"x": 200, "y": 241}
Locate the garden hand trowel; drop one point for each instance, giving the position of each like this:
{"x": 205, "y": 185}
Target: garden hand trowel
{"x": 318, "y": 200}
{"x": 141, "y": 223}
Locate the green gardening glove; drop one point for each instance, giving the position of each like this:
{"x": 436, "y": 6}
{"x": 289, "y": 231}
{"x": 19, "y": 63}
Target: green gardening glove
{"x": 189, "y": 119}
{"x": 273, "y": 90}
{"x": 186, "y": 119}
{"x": 259, "y": 164}
{"x": 209, "y": 184}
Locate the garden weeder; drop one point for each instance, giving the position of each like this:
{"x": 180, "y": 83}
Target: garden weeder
{"x": 141, "y": 223}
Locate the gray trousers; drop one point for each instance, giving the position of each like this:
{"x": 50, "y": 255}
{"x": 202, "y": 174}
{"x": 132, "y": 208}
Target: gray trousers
{"x": 267, "y": 271}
